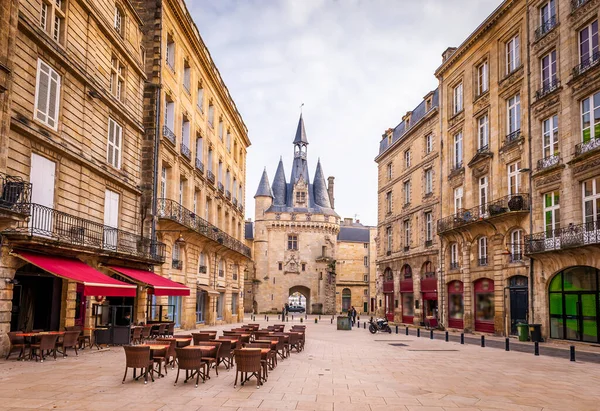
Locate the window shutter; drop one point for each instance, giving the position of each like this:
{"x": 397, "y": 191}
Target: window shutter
{"x": 110, "y": 152}
{"x": 117, "y": 150}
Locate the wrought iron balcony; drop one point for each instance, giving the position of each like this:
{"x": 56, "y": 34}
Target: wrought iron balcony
{"x": 211, "y": 177}
{"x": 589, "y": 145}
{"x": 512, "y": 137}
{"x": 482, "y": 261}
{"x": 586, "y": 64}
{"x": 169, "y": 135}
{"x": 48, "y": 223}
{"x": 241, "y": 207}
{"x": 545, "y": 28}
{"x": 575, "y": 4}
{"x": 185, "y": 151}
{"x": 456, "y": 167}
{"x": 235, "y": 202}
{"x": 406, "y": 248}
{"x": 16, "y": 194}
{"x": 199, "y": 165}
{"x": 516, "y": 255}
{"x": 508, "y": 204}
{"x": 221, "y": 187}
{"x": 547, "y": 88}
{"x": 202, "y": 269}
{"x": 484, "y": 149}
{"x": 228, "y": 194}
{"x": 454, "y": 265}
{"x": 548, "y": 162}
{"x": 563, "y": 238}
{"x": 428, "y": 243}
{"x": 177, "y": 264}
{"x": 171, "y": 210}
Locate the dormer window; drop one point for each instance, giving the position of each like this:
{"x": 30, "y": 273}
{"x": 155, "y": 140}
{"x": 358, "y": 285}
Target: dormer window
{"x": 301, "y": 197}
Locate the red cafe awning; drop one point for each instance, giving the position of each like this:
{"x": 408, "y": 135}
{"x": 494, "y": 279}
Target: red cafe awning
{"x": 430, "y": 295}
{"x": 159, "y": 285}
{"x": 94, "y": 282}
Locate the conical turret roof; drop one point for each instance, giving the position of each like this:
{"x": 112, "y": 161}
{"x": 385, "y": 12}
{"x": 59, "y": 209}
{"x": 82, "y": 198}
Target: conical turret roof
{"x": 320, "y": 188}
{"x": 279, "y": 185}
{"x": 264, "y": 188}
{"x": 300, "y": 132}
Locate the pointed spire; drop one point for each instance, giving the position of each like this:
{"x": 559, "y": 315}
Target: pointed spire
{"x": 264, "y": 188}
{"x": 300, "y": 132}
{"x": 279, "y": 185}
{"x": 320, "y": 188}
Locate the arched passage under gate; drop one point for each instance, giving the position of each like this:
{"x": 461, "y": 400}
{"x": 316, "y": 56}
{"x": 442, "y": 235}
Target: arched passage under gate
{"x": 305, "y": 292}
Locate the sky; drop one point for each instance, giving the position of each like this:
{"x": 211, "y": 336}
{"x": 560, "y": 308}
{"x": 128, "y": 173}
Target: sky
{"x": 357, "y": 66}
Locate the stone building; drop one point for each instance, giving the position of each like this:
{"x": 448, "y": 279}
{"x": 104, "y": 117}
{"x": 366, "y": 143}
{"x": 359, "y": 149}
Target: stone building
{"x": 564, "y": 246}
{"x": 408, "y": 207}
{"x": 485, "y": 194}
{"x": 194, "y": 168}
{"x": 294, "y": 242}
{"x": 71, "y": 133}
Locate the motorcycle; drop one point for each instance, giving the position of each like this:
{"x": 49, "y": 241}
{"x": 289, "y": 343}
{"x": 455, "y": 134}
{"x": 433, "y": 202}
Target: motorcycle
{"x": 380, "y": 324}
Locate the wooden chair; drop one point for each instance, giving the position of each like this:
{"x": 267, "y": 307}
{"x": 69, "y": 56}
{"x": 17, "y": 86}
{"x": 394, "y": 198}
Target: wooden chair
{"x": 200, "y": 337}
{"x": 16, "y": 343}
{"x": 247, "y": 363}
{"x": 286, "y": 342}
{"x": 171, "y": 355}
{"x": 280, "y": 345}
{"x": 159, "y": 357}
{"x": 47, "y": 344}
{"x": 136, "y": 336}
{"x": 83, "y": 339}
{"x": 294, "y": 342}
{"x": 70, "y": 340}
{"x": 265, "y": 362}
{"x": 160, "y": 332}
{"x": 138, "y": 357}
{"x": 211, "y": 359}
{"x": 170, "y": 330}
{"x": 146, "y": 332}
{"x": 225, "y": 354}
{"x": 190, "y": 360}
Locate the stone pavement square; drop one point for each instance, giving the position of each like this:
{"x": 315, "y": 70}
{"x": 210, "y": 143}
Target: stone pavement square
{"x": 338, "y": 370}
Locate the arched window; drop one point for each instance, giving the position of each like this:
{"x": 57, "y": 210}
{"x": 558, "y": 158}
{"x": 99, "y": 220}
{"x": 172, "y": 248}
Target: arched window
{"x": 388, "y": 275}
{"x": 346, "y": 299}
{"x": 221, "y": 269}
{"x": 482, "y": 251}
{"x": 453, "y": 256}
{"x": 202, "y": 263}
{"x": 427, "y": 271}
{"x": 515, "y": 246}
{"x": 119, "y": 20}
{"x": 406, "y": 271}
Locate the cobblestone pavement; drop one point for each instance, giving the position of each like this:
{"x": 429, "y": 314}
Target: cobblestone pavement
{"x": 338, "y": 370}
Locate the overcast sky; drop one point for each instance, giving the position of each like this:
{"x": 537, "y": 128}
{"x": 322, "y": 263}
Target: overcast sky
{"x": 357, "y": 65}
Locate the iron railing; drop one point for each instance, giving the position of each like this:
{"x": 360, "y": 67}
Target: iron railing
{"x": 547, "y": 88}
{"x": 228, "y": 194}
{"x": 482, "y": 261}
{"x": 428, "y": 243}
{"x": 16, "y": 194}
{"x": 199, "y": 165}
{"x": 241, "y": 207}
{"x": 169, "y": 135}
{"x": 210, "y": 176}
{"x": 545, "y": 28}
{"x": 586, "y": 64}
{"x": 511, "y": 137}
{"x": 202, "y": 269}
{"x": 456, "y": 167}
{"x": 221, "y": 187}
{"x": 454, "y": 265}
{"x": 563, "y": 238}
{"x": 68, "y": 229}
{"x": 516, "y": 252}
{"x": 512, "y": 203}
{"x": 185, "y": 151}
{"x": 575, "y": 4}
{"x": 548, "y": 162}
{"x": 584, "y": 147}
{"x": 177, "y": 264}
{"x": 235, "y": 202}
{"x": 483, "y": 149}
{"x": 171, "y": 210}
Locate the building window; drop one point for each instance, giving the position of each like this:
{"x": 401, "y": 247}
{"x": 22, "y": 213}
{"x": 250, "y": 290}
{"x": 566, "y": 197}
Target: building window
{"x": 457, "y": 158}
{"x": 453, "y": 256}
{"x": 388, "y": 235}
{"x": 516, "y": 245}
{"x": 366, "y": 261}
{"x": 366, "y": 278}
{"x": 482, "y": 78}
{"x": 388, "y": 202}
{"x": 513, "y": 54}
{"x": 483, "y": 133}
{"x": 428, "y": 227}
{"x": 458, "y": 196}
{"x": 407, "y": 234}
{"x": 117, "y": 80}
{"x": 119, "y": 21}
{"x": 482, "y": 249}
{"x": 170, "y": 115}
{"x": 428, "y": 181}
{"x": 211, "y": 114}
{"x": 221, "y": 268}
{"x": 366, "y": 245}
{"x": 176, "y": 256}
{"x": 590, "y": 119}
{"x": 551, "y": 212}
{"x": 303, "y": 266}
{"x": 280, "y": 266}
{"x": 514, "y": 114}
{"x": 483, "y": 194}
{"x": 163, "y": 182}
{"x": 549, "y": 75}
{"x": 550, "y": 136}
{"x": 588, "y": 45}
{"x": 292, "y": 242}
{"x": 228, "y": 141}
{"x": 389, "y": 171}
{"x": 457, "y": 99}
{"x": 47, "y": 96}
{"x": 187, "y": 76}
{"x": 114, "y": 144}
{"x": 221, "y": 130}
{"x": 591, "y": 204}
{"x": 199, "y": 148}
{"x": 52, "y": 18}
{"x": 514, "y": 177}
{"x": 200, "y": 97}
{"x": 181, "y": 191}
{"x": 407, "y": 192}
{"x": 547, "y": 16}
{"x": 170, "y": 54}
{"x": 301, "y": 197}
{"x": 428, "y": 143}
{"x": 407, "y": 159}
{"x": 185, "y": 136}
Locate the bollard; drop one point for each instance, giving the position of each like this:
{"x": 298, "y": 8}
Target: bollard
{"x": 396, "y": 329}
{"x": 462, "y": 338}
{"x": 267, "y": 317}
{"x": 483, "y": 340}
{"x": 287, "y": 318}
{"x": 447, "y": 336}
{"x": 358, "y": 323}
{"x": 572, "y": 352}
{"x": 319, "y": 317}
{"x": 331, "y": 320}
{"x": 431, "y": 334}
{"x": 301, "y": 319}
{"x": 536, "y": 348}
{"x": 315, "y": 320}
{"x": 418, "y": 332}
{"x": 306, "y": 316}
{"x": 507, "y": 345}
{"x": 365, "y": 325}
{"x": 406, "y": 330}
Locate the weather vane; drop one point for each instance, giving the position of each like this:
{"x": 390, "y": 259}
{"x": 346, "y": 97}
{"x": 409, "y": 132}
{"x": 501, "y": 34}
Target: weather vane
{"x": 301, "y": 105}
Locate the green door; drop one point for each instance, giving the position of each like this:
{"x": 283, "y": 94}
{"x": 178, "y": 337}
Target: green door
{"x": 589, "y": 319}
{"x": 572, "y": 317}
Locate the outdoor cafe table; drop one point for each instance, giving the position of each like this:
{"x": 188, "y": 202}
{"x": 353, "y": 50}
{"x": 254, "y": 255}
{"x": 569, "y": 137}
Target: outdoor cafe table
{"x": 266, "y": 340}
{"x": 233, "y": 340}
{"x": 182, "y": 341}
{"x": 264, "y": 352}
{"x": 206, "y": 349}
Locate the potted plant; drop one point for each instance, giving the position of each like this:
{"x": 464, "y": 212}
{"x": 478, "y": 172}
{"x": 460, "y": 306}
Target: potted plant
{"x": 515, "y": 203}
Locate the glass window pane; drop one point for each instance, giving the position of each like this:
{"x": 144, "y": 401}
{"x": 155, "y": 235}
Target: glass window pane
{"x": 556, "y": 283}
{"x": 556, "y": 305}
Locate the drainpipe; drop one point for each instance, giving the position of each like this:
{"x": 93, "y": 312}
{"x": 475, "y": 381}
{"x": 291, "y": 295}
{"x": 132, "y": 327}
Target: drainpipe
{"x": 156, "y": 157}
{"x": 531, "y": 202}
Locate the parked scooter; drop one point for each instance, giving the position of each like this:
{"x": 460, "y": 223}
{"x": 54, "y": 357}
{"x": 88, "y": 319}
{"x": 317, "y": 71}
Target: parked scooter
{"x": 380, "y": 324}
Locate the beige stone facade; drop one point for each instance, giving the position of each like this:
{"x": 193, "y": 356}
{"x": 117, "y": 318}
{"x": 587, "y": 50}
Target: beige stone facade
{"x": 194, "y": 161}
{"x": 408, "y": 207}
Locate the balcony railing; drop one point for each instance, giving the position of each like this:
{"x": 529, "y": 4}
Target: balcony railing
{"x": 171, "y": 210}
{"x": 199, "y": 166}
{"x": 68, "y": 229}
{"x": 563, "y": 238}
{"x": 584, "y": 147}
{"x": 511, "y": 137}
{"x": 516, "y": 253}
{"x": 185, "y": 151}
{"x": 456, "y": 167}
{"x": 545, "y": 28}
{"x": 547, "y": 88}
{"x": 454, "y": 265}
{"x": 575, "y": 4}
{"x": 177, "y": 264}
{"x": 548, "y": 162}
{"x": 235, "y": 202}
{"x": 406, "y": 248}
{"x": 169, "y": 135}
{"x": 482, "y": 261}
{"x": 221, "y": 187}
{"x": 16, "y": 194}
{"x": 228, "y": 194}
{"x": 512, "y": 203}
{"x": 586, "y": 64}
{"x": 428, "y": 243}
{"x": 202, "y": 269}
{"x": 211, "y": 177}
{"x": 483, "y": 149}
{"x": 241, "y": 207}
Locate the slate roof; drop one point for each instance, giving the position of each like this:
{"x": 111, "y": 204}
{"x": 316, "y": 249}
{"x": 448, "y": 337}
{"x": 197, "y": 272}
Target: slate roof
{"x": 354, "y": 234}
{"x": 279, "y": 185}
{"x": 249, "y": 230}
{"x": 300, "y": 132}
{"x": 264, "y": 188}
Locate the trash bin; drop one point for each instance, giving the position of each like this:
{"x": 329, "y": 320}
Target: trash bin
{"x": 535, "y": 331}
{"x": 523, "y": 331}
{"x": 343, "y": 323}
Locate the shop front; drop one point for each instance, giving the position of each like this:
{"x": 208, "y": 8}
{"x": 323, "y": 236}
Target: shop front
{"x": 388, "y": 294}
{"x": 484, "y": 305}
{"x": 429, "y": 295}
{"x": 456, "y": 304}
{"x": 407, "y": 295}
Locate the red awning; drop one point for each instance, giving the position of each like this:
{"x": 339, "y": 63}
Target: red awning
{"x": 94, "y": 282}
{"x": 432, "y": 295}
{"x": 160, "y": 285}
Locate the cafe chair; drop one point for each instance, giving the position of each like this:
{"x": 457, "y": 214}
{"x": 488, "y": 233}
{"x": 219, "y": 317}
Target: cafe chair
{"x": 136, "y": 336}
{"x": 46, "y": 345}
{"x": 265, "y": 361}
{"x": 69, "y": 340}
{"x": 170, "y": 330}
{"x": 160, "y": 332}
{"x": 138, "y": 357}
{"x": 82, "y": 339}
{"x": 247, "y": 363}
{"x": 146, "y": 332}
{"x": 16, "y": 343}
{"x": 294, "y": 342}
{"x": 171, "y": 353}
{"x": 190, "y": 361}
{"x": 200, "y": 337}
{"x": 159, "y": 357}
{"x": 211, "y": 360}
{"x": 225, "y": 354}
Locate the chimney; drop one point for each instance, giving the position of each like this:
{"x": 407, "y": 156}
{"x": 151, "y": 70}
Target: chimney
{"x": 330, "y": 190}
{"x": 447, "y": 53}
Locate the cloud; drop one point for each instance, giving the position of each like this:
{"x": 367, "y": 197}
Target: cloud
{"x": 357, "y": 65}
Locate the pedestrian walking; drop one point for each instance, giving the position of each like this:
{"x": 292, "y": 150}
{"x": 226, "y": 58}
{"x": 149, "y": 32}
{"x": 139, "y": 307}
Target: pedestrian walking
{"x": 287, "y": 308}
{"x": 353, "y": 315}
